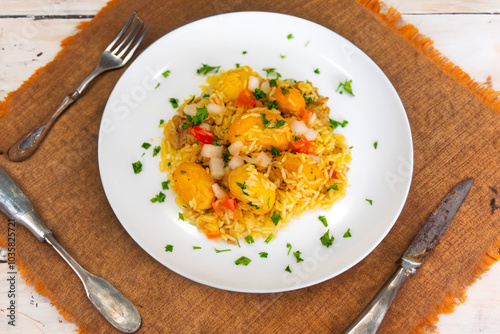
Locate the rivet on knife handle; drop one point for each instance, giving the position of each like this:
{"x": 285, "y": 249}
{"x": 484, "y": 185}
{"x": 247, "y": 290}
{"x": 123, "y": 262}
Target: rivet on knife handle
{"x": 369, "y": 320}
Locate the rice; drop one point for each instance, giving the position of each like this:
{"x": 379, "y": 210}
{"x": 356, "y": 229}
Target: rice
{"x": 295, "y": 191}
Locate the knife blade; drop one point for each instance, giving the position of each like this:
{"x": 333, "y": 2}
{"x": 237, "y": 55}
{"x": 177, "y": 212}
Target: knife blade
{"x": 436, "y": 224}
{"x": 369, "y": 320}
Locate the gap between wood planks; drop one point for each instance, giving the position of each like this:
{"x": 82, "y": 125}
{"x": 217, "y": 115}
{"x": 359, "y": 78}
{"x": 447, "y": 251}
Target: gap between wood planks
{"x": 47, "y": 17}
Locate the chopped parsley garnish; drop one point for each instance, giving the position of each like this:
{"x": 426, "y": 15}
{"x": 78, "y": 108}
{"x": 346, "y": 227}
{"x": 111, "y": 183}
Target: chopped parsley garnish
{"x": 222, "y": 250}
{"x": 146, "y": 145}
{"x": 238, "y": 242}
{"x": 156, "y": 150}
{"x": 282, "y": 56}
{"x": 265, "y": 121}
{"x": 316, "y": 71}
{"x": 253, "y": 205}
{"x": 249, "y": 239}
{"x": 259, "y": 94}
{"x": 192, "y": 99}
{"x": 271, "y": 104}
{"x": 161, "y": 122}
{"x": 137, "y": 167}
{"x": 201, "y": 115}
{"x": 205, "y": 69}
{"x": 244, "y": 53}
{"x": 284, "y": 90}
{"x": 326, "y": 240}
{"x": 334, "y": 186}
{"x": 290, "y": 36}
{"x": 166, "y": 73}
{"x": 348, "y": 233}
{"x": 280, "y": 123}
{"x": 243, "y": 260}
{"x": 369, "y": 201}
{"x": 270, "y": 71}
{"x": 323, "y": 220}
{"x": 375, "y": 144}
{"x": 276, "y": 217}
{"x": 351, "y": 147}
{"x": 237, "y": 65}
{"x": 295, "y": 138}
{"x": 289, "y": 248}
{"x": 169, "y": 248}
{"x": 297, "y": 256}
{"x": 157, "y": 85}
{"x": 269, "y": 238}
{"x": 181, "y": 216}
{"x": 307, "y": 43}
{"x": 275, "y": 151}
{"x": 205, "y": 96}
{"x": 185, "y": 126}
{"x": 308, "y": 99}
{"x": 164, "y": 185}
{"x": 174, "y": 102}
{"x": 334, "y": 123}
{"x": 226, "y": 157}
{"x": 345, "y": 87}
{"x": 160, "y": 198}
{"x": 263, "y": 254}
{"x": 273, "y": 83}
{"x": 183, "y": 172}
{"x": 243, "y": 187}
{"x": 288, "y": 269}
{"x": 196, "y": 247}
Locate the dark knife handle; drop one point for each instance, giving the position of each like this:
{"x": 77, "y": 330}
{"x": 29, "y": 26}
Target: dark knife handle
{"x": 17, "y": 207}
{"x": 369, "y": 320}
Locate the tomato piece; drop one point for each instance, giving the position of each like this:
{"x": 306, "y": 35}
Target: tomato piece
{"x": 202, "y": 135}
{"x": 304, "y": 146}
{"x": 306, "y": 115}
{"x": 229, "y": 203}
{"x": 212, "y": 234}
{"x": 245, "y": 99}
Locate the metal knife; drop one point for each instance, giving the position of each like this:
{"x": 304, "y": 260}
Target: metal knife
{"x": 369, "y": 320}
{"x": 117, "y": 309}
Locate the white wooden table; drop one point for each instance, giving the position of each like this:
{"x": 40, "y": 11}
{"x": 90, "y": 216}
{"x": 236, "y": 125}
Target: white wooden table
{"x": 468, "y": 32}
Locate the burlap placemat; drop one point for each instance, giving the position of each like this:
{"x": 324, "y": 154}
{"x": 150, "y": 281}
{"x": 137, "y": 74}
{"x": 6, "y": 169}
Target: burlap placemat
{"x": 455, "y": 136}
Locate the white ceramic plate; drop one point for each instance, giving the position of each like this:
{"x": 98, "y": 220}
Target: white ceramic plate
{"x": 375, "y": 114}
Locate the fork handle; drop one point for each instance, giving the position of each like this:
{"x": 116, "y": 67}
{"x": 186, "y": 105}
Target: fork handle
{"x": 28, "y": 144}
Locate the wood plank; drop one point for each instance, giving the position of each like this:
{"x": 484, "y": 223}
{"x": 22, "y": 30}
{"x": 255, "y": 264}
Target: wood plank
{"x": 50, "y": 7}
{"x": 445, "y": 6}
{"x": 27, "y": 44}
{"x": 470, "y": 41}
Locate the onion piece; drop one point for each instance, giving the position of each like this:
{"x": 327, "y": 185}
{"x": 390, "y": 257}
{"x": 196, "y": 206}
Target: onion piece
{"x": 265, "y": 87}
{"x": 190, "y": 109}
{"x": 216, "y": 166}
{"x": 235, "y": 148}
{"x": 211, "y": 151}
{"x": 248, "y": 160}
{"x": 315, "y": 157}
{"x": 253, "y": 83}
{"x": 263, "y": 159}
{"x": 215, "y": 108}
{"x": 298, "y": 127}
{"x": 218, "y": 191}
{"x": 236, "y": 162}
{"x": 311, "y": 134}
{"x": 312, "y": 119}
{"x": 205, "y": 126}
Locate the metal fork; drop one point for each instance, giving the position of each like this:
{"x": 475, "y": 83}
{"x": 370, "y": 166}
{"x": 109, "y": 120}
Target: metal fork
{"x": 116, "y": 55}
